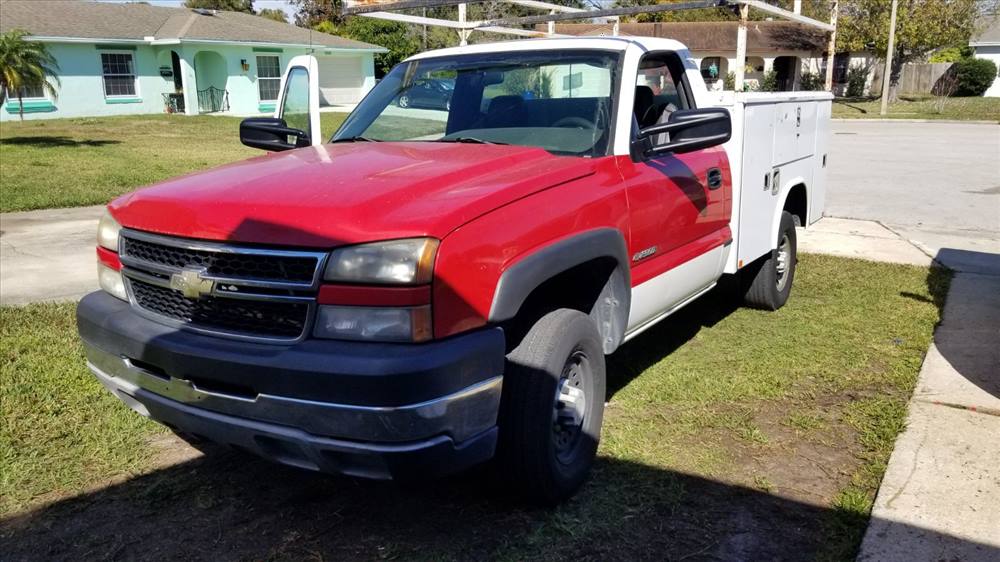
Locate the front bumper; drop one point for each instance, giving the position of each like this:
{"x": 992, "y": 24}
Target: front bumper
{"x": 322, "y": 405}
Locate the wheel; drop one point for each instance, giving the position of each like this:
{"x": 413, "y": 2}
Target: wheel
{"x": 552, "y": 408}
{"x": 768, "y": 282}
{"x": 403, "y": 101}
{"x": 447, "y": 105}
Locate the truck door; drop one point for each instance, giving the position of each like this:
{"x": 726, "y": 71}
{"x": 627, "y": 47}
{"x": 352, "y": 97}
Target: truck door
{"x": 679, "y": 205}
{"x": 298, "y": 101}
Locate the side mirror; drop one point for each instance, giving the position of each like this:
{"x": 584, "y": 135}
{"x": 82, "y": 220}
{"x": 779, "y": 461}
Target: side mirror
{"x": 687, "y": 130}
{"x": 270, "y": 133}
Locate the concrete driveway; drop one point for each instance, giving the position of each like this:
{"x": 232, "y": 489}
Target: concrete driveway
{"x": 936, "y": 185}
{"x": 48, "y": 255}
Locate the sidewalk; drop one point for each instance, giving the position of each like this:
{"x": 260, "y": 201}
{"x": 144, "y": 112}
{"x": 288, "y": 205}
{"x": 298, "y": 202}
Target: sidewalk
{"x": 48, "y": 255}
{"x": 940, "y": 497}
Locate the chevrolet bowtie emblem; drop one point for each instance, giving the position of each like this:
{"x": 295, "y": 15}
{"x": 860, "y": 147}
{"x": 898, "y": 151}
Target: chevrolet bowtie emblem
{"x": 191, "y": 284}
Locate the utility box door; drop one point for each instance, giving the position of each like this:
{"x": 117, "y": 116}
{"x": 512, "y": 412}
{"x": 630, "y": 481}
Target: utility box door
{"x": 757, "y": 201}
{"x": 794, "y": 131}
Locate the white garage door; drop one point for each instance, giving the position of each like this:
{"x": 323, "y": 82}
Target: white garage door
{"x": 340, "y": 80}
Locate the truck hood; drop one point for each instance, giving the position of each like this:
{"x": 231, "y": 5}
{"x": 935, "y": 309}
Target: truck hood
{"x": 346, "y": 193}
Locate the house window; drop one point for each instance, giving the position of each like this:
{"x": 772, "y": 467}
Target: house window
{"x": 119, "y": 74}
{"x": 29, "y": 93}
{"x": 268, "y": 77}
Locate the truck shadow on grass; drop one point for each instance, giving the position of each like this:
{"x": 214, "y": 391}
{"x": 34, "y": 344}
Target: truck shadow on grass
{"x": 55, "y": 142}
{"x": 228, "y": 506}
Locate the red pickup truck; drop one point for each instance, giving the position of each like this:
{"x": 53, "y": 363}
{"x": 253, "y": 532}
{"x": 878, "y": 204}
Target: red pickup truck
{"x": 434, "y": 288}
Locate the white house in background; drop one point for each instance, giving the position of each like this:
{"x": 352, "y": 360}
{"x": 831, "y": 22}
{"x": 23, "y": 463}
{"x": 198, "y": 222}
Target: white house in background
{"x": 987, "y": 46}
{"x": 134, "y": 58}
{"x": 787, "y": 48}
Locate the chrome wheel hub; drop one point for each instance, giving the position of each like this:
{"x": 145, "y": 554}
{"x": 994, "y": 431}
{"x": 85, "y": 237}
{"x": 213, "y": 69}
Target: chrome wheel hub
{"x": 783, "y": 262}
{"x": 570, "y": 408}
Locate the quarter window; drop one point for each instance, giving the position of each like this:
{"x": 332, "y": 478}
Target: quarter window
{"x": 119, "y": 74}
{"x": 268, "y": 77}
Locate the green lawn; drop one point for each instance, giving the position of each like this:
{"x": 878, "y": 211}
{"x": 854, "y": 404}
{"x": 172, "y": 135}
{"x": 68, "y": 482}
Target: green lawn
{"x": 920, "y": 107}
{"x": 777, "y": 425}
{"x": 75, "y": 162}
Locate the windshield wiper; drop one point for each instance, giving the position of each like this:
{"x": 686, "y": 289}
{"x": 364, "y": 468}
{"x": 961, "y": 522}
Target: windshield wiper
{"x": 470, "y": 140}
{"x": 355, "y": 139}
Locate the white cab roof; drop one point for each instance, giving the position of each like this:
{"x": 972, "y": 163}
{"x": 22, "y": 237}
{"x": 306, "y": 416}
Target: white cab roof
{"x": 559, "y": 43}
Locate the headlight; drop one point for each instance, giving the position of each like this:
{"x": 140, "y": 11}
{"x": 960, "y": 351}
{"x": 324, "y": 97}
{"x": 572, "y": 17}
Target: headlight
{"x": 398, "y": 262}
{"x": 365, "y": 323}
{"x": 111, "y": 281}
{"x": 107, "y": 232}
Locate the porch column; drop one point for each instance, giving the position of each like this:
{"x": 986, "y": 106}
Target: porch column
{"x": 188, "y": 82}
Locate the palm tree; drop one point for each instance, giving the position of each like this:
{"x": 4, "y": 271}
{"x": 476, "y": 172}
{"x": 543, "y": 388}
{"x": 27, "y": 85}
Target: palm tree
{"x": 25, "y": 64}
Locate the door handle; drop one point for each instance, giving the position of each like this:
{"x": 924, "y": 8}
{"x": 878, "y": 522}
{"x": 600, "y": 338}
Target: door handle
{"x": 714, "y": 178}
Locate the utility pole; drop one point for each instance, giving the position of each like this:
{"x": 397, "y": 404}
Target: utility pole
{"x": 741, "y": 48}
{"x": 887, "y": 73}
{"x": 831, "y": 48}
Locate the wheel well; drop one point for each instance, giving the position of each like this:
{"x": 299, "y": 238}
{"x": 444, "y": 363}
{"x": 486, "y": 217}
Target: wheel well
{"x": 795, "y": 204}
{"x": 582, "y": 287}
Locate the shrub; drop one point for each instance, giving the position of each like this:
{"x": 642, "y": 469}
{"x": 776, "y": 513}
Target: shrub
{"x": 811, "y": 82}
{"x": 729, "y": 82}
{"x": 770, "y": 82}
{"x": 974, "y": 76}
{"x": 857, "y": 79}
{"x": 951, "y": 54}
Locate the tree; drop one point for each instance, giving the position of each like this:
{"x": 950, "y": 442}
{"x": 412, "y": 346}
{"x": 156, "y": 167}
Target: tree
{"x": 25, "y": 64}
{"x": 921, "y": 27}
{"x": 310, "y": 13}
{"x": 399, "y": 38}
{"x": 226, "y": 5}
{"x": 273, "y": 14}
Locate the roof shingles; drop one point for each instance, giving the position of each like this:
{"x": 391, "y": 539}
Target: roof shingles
{"x": 134, "y": 21}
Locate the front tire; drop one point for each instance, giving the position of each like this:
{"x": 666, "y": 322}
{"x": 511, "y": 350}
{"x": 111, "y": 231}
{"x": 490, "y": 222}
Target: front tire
{"x": 552, "y": 408}
{"x": 768, "y": 283}
{"x": 403, "y": 101}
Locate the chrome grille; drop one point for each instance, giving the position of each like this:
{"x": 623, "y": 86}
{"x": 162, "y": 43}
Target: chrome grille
{"x": 247, "y": 293}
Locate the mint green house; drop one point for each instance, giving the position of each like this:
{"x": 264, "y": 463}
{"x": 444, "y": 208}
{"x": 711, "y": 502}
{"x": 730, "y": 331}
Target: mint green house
{"x": 121, "y": 59}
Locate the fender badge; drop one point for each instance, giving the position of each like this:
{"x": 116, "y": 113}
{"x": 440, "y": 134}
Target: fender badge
{"x": 644, "y": 253}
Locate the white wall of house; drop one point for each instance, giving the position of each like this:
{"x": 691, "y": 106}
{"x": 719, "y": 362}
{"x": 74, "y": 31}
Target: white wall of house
{"x": 345, "y": 77}
{"x": 991, "y": 52}
{"x": 758, "y": 65}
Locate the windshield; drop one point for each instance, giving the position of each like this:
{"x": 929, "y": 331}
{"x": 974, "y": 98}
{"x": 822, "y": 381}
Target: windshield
{"x": 560, "y": 101}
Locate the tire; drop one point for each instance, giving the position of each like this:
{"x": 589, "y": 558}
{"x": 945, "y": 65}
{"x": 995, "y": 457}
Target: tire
{"x": 544, "y": 456}
{"x": 767, "y": 283}
{"x": 403, "y": 101}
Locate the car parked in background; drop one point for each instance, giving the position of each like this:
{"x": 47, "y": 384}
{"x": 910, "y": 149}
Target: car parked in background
{"x": 430, "y": 93}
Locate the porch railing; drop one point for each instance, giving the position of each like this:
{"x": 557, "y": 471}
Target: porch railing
{"x": 213, "y": 100}
{"x": 174, "y": 103}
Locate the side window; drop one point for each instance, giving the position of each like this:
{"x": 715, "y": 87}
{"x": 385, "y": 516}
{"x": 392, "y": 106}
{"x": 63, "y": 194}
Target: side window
{"x": 295, "y": 106}
{"x": 268, "y": 77}
{"x": 659, "y": 92}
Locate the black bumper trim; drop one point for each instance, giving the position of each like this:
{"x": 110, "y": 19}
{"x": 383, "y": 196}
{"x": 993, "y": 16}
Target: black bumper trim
{"x": 364, "y": 374}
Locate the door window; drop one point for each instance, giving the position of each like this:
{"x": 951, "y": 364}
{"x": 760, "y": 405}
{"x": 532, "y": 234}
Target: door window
{"x": 295, "y": 106}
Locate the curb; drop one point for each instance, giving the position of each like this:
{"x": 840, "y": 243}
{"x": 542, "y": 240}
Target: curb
{"x": 942, "y": 121}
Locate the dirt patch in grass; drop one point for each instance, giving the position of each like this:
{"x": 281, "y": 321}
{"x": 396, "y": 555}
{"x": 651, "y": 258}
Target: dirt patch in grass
{"x": 730, "y": 434}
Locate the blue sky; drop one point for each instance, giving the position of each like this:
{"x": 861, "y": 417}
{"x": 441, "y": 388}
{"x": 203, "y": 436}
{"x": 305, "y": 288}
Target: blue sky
{"x": 258, "y": 4}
